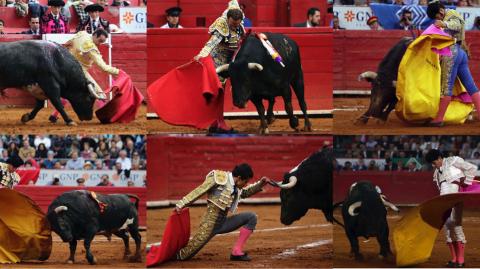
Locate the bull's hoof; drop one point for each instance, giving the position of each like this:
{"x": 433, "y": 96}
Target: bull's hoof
{"x": 136, "y": 258}
{"x": 263, "y": 131}
{"x": 71, "y": 123}
{"x": 92, "y": 261}
{"x": 25, "y": 118}
{"x": 358, "y": 257}
{"x": 293, "y": 122}
{"x": 361, "y": 121}
{"x": 270, "y": 120}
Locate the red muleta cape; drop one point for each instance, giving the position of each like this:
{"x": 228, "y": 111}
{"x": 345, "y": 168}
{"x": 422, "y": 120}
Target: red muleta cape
{"x": 190, "y": 95}
{"x": 175, "y": 237}
{"x": 125, "y": 103}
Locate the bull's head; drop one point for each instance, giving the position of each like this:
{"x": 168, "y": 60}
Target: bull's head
{"x": 382, "y": 95}
{"x": 241, "y": 74}
{"x": 354, "y": 207}
{"x": 60, "y": 223}
{"x": 294, "y": 202}
{"x": 82, "y": 103}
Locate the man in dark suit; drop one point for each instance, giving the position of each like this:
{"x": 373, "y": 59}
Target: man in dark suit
{"x": 313, "y": 18}
{"x": 94, "y": 21}
{"x": 34, "y": 27}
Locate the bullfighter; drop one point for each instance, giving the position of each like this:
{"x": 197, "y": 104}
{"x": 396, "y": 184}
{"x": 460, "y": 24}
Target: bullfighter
{"x": 224, "y": 190}
{"x": 450, "y": 174}
{"x": 83, "y": 47}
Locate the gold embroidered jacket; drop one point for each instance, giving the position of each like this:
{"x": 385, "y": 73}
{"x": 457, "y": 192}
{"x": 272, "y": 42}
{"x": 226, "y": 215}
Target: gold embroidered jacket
{"x": 87, "y": 53}
{"x": 219, "y": 191}
{"x": 7, "y": 179}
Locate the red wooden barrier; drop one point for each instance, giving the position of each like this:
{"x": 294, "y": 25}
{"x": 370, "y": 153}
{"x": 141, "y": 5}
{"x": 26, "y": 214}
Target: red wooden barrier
{"x": 169, "y": 48}
{"x": 262, "y": 13}
{"x": 43, "y": 196}
{"x": 358, "y": 51}
{"x": 176, "y": 165}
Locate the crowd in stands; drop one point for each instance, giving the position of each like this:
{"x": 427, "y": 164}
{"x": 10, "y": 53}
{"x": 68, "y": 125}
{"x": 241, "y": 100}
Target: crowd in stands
{"x": 101, "y": 152}
{"x": 400, "y": 153}
{"x": 56, "y": 15}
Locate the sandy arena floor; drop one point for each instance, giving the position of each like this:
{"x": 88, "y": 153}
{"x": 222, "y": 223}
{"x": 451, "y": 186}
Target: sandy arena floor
{"x": 305, "y": 244}
{"x": 347, "y": 110}
{"x": 10, "y": 123}
{"x": 440, "y": 253}
{"x": 249, "y": 126}
{"x": 108, "y": 255}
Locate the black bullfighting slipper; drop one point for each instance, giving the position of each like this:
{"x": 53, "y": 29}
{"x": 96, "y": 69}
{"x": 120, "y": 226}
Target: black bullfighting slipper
{"x": 435, "y": 124}
{"x": 52, "y": 119}
{"x": 241, "y": 258}
{"x": 460, "y": 265}
{"x": 450, "y": 264}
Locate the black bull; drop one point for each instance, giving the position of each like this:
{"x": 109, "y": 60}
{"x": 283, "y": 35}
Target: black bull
{"x": 48, "y": 71}
{"x": 383, "y": 94}
{"x": 75, "y": 215}
{"x": 255, "y": 76}
{"x": 364, "y": 214}
{"x": 308, "y": 185}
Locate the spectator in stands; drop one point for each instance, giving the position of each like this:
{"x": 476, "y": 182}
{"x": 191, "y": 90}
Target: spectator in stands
{"x": 130, "y": 183}
{"x": 54, "y": 22}
{"x": 105, "y": 181}
{"x": 75, "y": 163}
{"x": 347, "y": 166}
{"x": 56, "y": 180}
{"x": 398, "y": 2}
{"x": 58, "y": 165}
{"x": 34, "y": 23}
{"x": 41, "y": 151}
{"x": 411, "y": 166}
{"x": 79, "y": 7}
{"x": 136, "y": 159}
{"x": 336, "y": 23}
{"x": 3, "y": 3}
{"x": 41, "y": 138}
{"x": 87, "y": 166}
{"x": 373, "y": 23}
{"x": 103, "y": 3}
{"x": 360, "y": 165}
{"x": 102, "y": 149}
{"x": 399, "y": 166}
{"x": 372, "y": 166}
{"x": 246, "y": 21}
{"x": 129, "y": 146}
{"x": 80, "y": 182}
{"x": 120, "y": 3}
{"x": 313, "y": 18}
{"x": 406, "y": 21}
{"x": 476, "y": 24}
{"x": 2, "y": 24}
{"x": 173, "y": 18}
{"x": 423, "y": 3}
{"x": 26, "y": 151}
{"x": 4, "y": 155}
{"x": 94, "y": 21}
{"x": 50, "y": 161}
{"x": 87, "y": 151}
{"x": 125, "y": 164}
{"x": 21, "y": 8}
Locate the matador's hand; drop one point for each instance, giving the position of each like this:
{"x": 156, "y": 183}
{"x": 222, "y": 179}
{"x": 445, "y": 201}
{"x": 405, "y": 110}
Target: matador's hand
{"x": 439, "y": 24}
{"x": 197, "y": 58}
{"x": 178, "y": 210}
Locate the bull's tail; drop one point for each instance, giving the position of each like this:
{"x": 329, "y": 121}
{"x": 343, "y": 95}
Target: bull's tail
{"x": 134, "y": 197}
{"x": 339, "y": 204}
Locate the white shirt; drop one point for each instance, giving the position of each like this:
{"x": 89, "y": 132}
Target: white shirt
{"x": 448, "y": 176}
{"x": 126, "y": 163}
{"x": 168, "y": 26}
{"x": 45, "y": 140}
{"x": 236, "y": 199}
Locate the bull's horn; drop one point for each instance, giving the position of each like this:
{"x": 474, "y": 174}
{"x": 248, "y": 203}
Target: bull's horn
{"x": 388, "y": 204}
{"x": 394, "y": 83}
{"x": 255, "y": 66}
{"x": 222, "y": 68}
{"x": 353, "y": 185}
{"x": 353, "y": 207}
{"x": 369, "y": 74}
{"x": 60, "y": 209}
{"x": 291, "y": 183}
